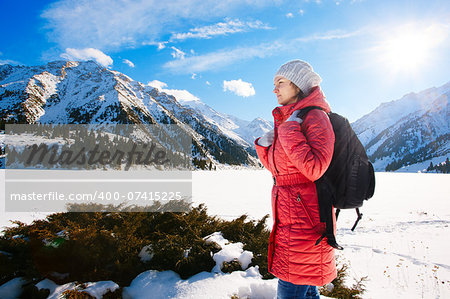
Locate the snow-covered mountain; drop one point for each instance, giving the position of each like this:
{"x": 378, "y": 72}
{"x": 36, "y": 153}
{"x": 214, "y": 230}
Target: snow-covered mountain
{"x": 242, "y": 131}
{"x": 84, "y": 92}
{"x": 413, "y": 129}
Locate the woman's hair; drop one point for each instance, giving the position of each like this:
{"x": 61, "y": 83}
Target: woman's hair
{"x": 300, "y": 94}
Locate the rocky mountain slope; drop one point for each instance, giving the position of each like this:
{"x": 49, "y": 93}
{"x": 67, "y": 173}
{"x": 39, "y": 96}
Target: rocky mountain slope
{"x": 86, "y": 93}
{"x": 242, "y": 131}
{"x": 413, "y": 129}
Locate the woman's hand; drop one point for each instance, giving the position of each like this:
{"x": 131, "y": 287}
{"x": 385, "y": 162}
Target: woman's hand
{"x": 295, "y": 117}
{"x": 267, "y": 139}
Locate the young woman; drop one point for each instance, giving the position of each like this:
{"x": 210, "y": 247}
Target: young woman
{"x": 297, "y": 152}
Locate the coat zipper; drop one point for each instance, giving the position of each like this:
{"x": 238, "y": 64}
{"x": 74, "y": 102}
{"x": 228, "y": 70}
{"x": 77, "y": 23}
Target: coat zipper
{"x": 275, "y": 130}
{"x": 274, "y": 230}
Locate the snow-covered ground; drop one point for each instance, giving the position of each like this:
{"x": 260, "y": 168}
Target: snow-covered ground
{"x": 400, "y": 244}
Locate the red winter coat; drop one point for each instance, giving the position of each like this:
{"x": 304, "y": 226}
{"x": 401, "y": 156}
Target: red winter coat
{"x": 299, "y": 155}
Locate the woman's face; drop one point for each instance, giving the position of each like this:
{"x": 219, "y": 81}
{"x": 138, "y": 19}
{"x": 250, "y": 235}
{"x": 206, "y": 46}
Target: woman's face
{"x": 287, "y": 93}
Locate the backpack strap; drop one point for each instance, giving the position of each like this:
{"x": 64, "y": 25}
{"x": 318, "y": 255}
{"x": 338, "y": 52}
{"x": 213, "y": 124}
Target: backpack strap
{"x": 305, "y": 111}
{"x": 358, "y": 213}
{"x": 357, "y": 219}
{"x": 324, "y": 194}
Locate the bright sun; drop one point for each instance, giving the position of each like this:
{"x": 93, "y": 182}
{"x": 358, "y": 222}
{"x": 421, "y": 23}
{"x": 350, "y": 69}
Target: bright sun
{"x": 409, "y": 47}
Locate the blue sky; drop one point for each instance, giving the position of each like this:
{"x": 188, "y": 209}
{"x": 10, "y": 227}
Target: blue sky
{"x": 226, "y": 52}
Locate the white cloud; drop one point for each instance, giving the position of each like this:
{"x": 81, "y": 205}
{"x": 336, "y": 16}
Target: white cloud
{"x": 8, "y": 61}
{"x": 180, "y": 94}
{"x": 289, "y": 15}
{"x": 239, "y": 87}
{"x": 223, "y": 58}
{"x": 105, "y": 24}
{"x": 208, "y": 83}
{"x": 157, "y": 84}
{"x": 160, "y": 45}
{"x": 88, "y": 54}
{"x": 126, "y": 61}
{"x": 177, "y": 53}
{"x": 334, "y": 34}
{"x": 221, "y": 28}
{"x": 301, "y": 12}
{"x": 219, "y": 59}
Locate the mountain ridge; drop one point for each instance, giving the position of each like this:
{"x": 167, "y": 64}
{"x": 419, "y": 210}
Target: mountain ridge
{"x": 411, "y": 130}
{"x": 84, "y": 92}
{"x": 397, "y": 134}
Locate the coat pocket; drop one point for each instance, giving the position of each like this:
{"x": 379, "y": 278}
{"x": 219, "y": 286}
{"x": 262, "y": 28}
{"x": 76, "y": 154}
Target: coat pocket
{"x": 305, "y": 210}
{"x": 314, "y": 224}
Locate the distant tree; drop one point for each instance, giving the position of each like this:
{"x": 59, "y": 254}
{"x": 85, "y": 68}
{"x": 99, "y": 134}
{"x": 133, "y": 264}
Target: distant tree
{"x": 443, "y": 167}
{"x": 11, "y": 157}
{"x": 446, "y": 166}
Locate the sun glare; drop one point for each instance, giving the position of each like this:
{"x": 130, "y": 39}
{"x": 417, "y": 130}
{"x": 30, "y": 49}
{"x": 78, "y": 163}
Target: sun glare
{"x": 408, "y": 48}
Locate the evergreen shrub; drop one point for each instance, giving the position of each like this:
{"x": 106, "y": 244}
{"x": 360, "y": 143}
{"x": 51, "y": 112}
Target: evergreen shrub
{"x": 98, "y": 246}
{"x": 339, "y": 289}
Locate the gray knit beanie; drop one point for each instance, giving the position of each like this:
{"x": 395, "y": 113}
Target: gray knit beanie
{"x": 301, "y": 74}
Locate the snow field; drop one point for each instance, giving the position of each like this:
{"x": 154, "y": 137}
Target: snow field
{"x": 401, "y": 244}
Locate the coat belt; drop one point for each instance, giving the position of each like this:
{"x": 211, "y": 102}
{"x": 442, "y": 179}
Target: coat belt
{"x": 290, "y": 179}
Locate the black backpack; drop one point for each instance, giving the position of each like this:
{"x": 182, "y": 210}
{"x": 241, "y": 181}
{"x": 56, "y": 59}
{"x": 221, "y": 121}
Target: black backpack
{"x": 348, "y": 181}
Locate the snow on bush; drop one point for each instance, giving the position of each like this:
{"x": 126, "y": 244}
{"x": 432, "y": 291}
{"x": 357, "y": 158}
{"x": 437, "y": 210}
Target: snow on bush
{"x": 168, "y": 284}
{"x": 95, "y": 289}
{"x": 146, "y": 253}
{"x": 229, "y": 252}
